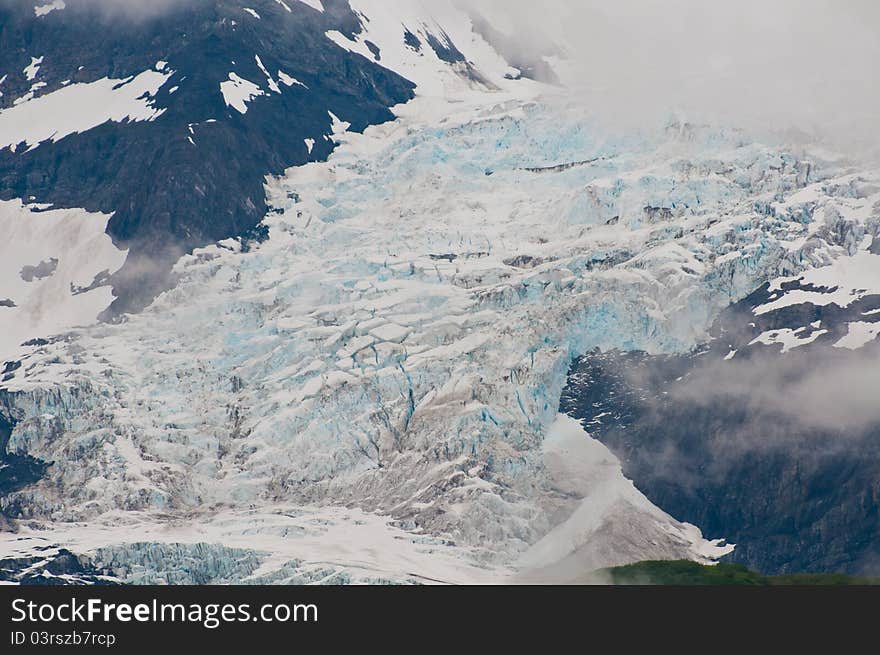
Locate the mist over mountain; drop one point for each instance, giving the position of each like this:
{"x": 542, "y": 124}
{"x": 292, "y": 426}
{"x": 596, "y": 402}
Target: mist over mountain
{"x": 403, "y": 291}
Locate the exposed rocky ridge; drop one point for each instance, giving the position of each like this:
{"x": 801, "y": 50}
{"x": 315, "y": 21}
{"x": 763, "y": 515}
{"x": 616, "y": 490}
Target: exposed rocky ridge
{"x": 357, "y": 366}
{"x": 727, "y": 437}
{"x": 194, "y": 174}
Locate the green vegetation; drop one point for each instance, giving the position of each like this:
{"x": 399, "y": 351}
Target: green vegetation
{"x": 691, "y": 573}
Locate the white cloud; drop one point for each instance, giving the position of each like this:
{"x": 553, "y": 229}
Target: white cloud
{"x": 807, "y": 64}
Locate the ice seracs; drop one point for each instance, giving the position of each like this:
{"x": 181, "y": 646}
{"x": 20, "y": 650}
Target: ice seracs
{"x": 380, "y": 379}
{"x": 593, "y": 537}
{"x": 400, "y": 342}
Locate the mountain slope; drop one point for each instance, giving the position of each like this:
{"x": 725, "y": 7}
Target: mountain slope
{"x": 165, "y": 128}
{"x": 171, "y": 123}
{"x": 361, "y": 379}
{"x": 691, "y": 573}
{"x": 390, "y": 347}
{"x": 769, "y": 432}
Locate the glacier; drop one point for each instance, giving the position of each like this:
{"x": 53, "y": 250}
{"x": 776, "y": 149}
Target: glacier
{"x": 373, "y": 392}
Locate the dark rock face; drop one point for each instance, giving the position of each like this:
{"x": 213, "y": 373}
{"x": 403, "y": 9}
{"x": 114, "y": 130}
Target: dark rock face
{"x": 447, "y": 51}
{"x": 169, "y": 194}
{"x": 59, "y": 567}
{"x": 524, "y": 261}
{"x": 412, "y": 40}
{"x": 16, "y": 471}
{"x": 776, "y": 452}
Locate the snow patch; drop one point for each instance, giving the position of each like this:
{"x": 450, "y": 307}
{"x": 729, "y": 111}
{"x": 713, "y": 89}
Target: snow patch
{"x": 788, "y": 338}
{"x": 272, "y": 84}
{"x": 338, "y": 127}
{"x": 842, "y": 282}
{"x": 443, "y": 20}
{"x": 81, "y": 107}
{"x": 51, "y": 303}
{"x": 290, "y": 81}
{"x": 860, "y": 333}
{"x": 31, "y": 70}
{"x": 237, "y": 92}
{"x": 42, "y": 10}
{"x": 579, "y": 466}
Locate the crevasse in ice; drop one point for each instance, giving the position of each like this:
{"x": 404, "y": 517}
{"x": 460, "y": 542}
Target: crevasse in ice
{"x": 400, "y": 343}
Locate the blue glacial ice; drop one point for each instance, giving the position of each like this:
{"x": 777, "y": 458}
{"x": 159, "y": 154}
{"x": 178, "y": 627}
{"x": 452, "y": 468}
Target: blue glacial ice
{"x": 400, "y": 343}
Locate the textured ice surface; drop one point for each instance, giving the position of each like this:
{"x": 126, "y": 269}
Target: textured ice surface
{"x": 281, "y": 544}
{"x": 399, "y": 345}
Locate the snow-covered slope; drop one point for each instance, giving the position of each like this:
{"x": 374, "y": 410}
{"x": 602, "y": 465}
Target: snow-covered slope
{"x": 372, "y": 392}
{"x": 136, "y": 119}
{"x": 768, "y": 430}
{"x": 430, "y": 42}
{"x": 53, "y": 264}
{"x": 132, "y": 121}
{"x": 80, "y": 107}
{"x": 400, "y": 342}
{"x": 614, "y": 523}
